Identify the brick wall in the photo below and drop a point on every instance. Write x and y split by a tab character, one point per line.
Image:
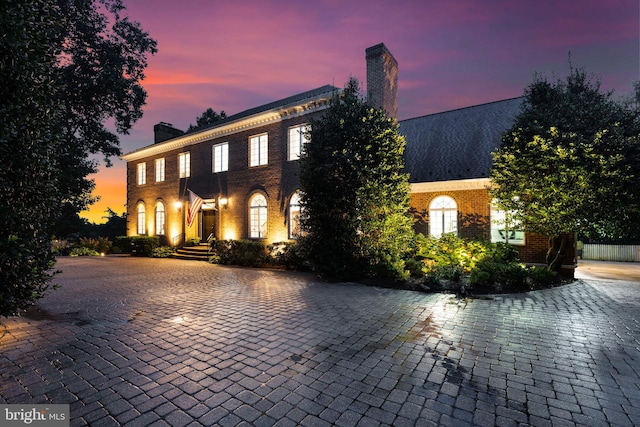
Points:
277	180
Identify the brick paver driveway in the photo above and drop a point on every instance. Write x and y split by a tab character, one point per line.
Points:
130	341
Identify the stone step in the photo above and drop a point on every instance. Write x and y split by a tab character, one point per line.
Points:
196	253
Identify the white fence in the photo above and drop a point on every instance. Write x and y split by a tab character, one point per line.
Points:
611	252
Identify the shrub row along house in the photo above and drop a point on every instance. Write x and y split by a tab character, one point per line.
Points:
238	178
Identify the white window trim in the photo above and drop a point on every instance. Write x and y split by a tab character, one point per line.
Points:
141	214
258	217
295	210
141	173
161	220
258	150
500	233
184	164
296	141
160	169
222	158
444	216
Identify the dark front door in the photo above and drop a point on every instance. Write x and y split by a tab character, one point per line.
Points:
208	224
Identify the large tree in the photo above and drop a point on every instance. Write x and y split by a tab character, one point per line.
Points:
101	66
355	195
68	67
569	163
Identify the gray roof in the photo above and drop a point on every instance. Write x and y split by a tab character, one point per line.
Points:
292	100
456	144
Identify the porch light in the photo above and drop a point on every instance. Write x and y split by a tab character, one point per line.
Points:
177	204
223	201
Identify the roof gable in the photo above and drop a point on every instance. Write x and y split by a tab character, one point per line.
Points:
456	144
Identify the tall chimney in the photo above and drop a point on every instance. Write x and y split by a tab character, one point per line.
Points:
382	79
164	131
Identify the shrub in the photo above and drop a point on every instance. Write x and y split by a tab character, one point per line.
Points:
193	241
162	252
287	254
60	247
100	245
248	253
138	245
541	277
83	251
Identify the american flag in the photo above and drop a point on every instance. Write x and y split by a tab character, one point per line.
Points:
195	203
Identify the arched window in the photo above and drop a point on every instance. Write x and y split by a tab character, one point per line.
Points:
294	216
257	216
443	216
142	218
160	219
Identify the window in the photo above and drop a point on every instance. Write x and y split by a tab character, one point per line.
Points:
257	217
297	140
443	216
160	219
258	149
160	170
142	173
221	157
294	216
504	229
142	229
184	165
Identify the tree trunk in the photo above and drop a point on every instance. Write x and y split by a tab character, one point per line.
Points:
556	251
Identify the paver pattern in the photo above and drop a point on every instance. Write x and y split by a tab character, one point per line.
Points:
138	342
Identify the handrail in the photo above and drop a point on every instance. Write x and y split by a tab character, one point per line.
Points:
177	238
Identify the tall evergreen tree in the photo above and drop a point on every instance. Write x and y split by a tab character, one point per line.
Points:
355	194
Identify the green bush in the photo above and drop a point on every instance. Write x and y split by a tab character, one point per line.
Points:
138	245
541	277
475	265
101	244
193	241
162	252
248	253
287	254
83	251
61	247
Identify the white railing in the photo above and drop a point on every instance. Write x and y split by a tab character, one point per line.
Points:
629	253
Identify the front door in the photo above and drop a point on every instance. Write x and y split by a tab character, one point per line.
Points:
208	224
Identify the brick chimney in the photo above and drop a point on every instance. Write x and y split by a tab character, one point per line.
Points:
165	131
382	79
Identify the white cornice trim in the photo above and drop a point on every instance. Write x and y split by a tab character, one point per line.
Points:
310	105
454	185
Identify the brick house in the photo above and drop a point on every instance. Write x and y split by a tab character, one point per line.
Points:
245	169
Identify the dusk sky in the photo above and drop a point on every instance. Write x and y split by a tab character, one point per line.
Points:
235	55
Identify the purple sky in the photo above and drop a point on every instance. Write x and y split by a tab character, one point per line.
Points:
235	55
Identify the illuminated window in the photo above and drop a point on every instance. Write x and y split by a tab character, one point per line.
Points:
443	216
160	170
504	228
258	217
142	173
142	229
258	150
294	216
184	165
221	157
160	219
297	140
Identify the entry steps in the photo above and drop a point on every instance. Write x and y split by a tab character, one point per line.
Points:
194	253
